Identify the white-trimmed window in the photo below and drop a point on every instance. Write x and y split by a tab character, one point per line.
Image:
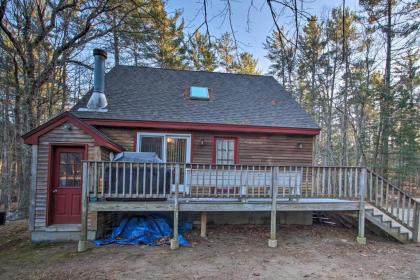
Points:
168	147
225	150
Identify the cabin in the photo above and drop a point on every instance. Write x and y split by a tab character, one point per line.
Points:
214	147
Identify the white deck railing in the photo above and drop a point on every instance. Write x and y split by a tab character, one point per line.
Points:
240	181
108	180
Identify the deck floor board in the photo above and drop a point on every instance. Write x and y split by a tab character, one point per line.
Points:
198	205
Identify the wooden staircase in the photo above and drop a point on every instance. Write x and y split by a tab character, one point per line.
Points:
388	224
391	209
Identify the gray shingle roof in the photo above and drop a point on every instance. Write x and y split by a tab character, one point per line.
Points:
154	94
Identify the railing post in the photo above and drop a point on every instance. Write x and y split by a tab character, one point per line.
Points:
272	242
416	216
82	246
174	240
361	239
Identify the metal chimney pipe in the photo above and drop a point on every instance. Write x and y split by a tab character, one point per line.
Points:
98	98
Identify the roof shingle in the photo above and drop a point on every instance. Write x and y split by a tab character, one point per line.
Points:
155	94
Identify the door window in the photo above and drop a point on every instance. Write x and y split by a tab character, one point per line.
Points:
70	169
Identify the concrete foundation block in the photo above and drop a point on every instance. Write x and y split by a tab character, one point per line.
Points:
174	244
272	243
295	218
82	246
59	236
361	240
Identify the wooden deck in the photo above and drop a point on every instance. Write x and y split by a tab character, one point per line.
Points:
141	187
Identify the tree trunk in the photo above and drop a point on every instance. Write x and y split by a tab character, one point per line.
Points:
6	189
313	77
116	42
344	125
330	111
64	91
386	128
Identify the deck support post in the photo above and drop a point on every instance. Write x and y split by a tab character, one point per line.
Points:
203	228
174	240
83	243
272	242
416	233
361	239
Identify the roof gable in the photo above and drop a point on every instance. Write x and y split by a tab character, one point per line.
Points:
100	139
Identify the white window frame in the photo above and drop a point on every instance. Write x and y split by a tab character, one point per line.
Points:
217	150
165	136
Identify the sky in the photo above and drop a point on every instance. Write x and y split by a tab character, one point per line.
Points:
251	36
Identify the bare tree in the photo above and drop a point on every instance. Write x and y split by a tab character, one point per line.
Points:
41	36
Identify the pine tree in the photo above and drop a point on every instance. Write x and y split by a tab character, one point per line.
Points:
406	122
309	63
363	98
134	33
342	30
392	18
226	52
164	46
202	53
246	64
281	57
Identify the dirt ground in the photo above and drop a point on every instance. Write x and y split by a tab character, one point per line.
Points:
230	252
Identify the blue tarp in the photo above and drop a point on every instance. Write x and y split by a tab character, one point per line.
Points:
145	230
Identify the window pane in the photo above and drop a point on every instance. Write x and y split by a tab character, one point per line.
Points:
77	157
63	158
231	154
152	144
62	176
70	169
77	173
231	144
199	93
225	151
176	149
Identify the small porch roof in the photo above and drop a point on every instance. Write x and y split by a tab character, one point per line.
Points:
32	137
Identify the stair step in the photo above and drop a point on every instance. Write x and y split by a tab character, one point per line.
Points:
404	230
405	236
387	224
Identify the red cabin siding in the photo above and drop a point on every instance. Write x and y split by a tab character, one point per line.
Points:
253	148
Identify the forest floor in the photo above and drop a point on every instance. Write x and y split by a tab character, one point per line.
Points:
230	252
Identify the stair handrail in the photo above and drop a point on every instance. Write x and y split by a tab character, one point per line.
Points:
404	220
390	183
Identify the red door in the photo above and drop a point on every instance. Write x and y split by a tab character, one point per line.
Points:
67	186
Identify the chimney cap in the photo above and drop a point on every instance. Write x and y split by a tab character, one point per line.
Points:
100	52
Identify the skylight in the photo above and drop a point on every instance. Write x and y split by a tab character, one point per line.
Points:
199	93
